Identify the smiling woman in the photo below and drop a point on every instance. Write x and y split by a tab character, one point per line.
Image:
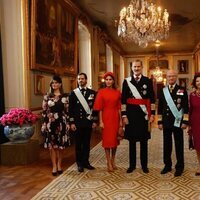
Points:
55	127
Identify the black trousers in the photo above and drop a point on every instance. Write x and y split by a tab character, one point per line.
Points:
82	145
179	145
143	153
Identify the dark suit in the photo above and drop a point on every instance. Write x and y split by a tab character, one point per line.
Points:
78	116
166	118
137	129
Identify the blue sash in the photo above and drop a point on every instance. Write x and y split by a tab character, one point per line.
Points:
177	114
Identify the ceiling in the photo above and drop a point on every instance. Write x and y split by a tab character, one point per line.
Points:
184	16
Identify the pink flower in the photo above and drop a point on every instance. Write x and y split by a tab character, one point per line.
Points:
18	116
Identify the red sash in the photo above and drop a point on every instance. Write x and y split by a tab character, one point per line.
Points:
145	102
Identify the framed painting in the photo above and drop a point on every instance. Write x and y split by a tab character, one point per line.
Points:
53	37
183	66
183	82
163	64
39	84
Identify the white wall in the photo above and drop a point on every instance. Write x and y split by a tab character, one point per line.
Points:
85	52
13	66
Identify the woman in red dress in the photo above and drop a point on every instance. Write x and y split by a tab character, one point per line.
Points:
108	103
195	116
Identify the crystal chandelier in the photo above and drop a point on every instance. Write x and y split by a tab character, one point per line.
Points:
157	73
143	22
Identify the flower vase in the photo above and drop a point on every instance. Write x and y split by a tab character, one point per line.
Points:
19	134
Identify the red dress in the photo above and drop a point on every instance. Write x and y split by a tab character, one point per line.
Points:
195	118
108	101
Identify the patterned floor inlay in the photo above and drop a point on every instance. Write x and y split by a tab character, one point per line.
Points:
99	184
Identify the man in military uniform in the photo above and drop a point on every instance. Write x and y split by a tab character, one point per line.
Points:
82	121
138	110
172	119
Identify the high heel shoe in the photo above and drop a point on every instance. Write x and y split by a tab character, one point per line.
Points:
54	173
60	171
110	168
113	165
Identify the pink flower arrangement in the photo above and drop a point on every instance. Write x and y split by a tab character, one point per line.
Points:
18	116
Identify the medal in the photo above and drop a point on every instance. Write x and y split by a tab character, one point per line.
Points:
91	97
144	92
145	86
179	100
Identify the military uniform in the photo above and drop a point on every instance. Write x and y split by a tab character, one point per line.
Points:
138	127
83	122
167	119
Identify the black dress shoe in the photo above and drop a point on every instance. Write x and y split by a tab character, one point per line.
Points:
178	173
90	167
54	173
60	171
197	173
166	170
130	169
145	170
80	169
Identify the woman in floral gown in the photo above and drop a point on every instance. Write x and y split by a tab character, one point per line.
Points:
195	116
108	103
55	126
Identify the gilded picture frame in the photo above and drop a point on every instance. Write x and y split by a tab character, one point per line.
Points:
39	84
183	66
183	82
53	37
163	64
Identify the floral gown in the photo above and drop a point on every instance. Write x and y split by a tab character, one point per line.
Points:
55	118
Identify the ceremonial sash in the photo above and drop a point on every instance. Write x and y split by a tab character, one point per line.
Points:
83	102
145	102
137	95
177	114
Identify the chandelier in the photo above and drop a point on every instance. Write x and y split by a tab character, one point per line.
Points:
157	73
143	22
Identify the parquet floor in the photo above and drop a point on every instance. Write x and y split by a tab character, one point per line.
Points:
24	182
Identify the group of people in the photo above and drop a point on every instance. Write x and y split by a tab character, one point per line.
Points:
128	113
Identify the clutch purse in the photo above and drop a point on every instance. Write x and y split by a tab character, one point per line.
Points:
120	134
